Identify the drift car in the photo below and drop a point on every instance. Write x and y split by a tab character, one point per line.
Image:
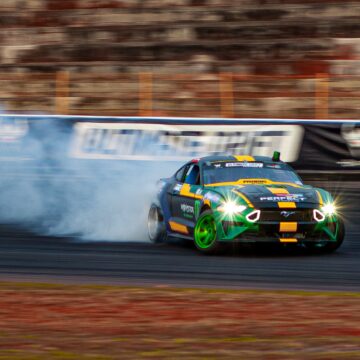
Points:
224	199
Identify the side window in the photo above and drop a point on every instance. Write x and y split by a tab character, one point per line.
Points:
179	176
193	175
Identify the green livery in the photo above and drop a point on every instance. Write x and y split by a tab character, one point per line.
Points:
222	199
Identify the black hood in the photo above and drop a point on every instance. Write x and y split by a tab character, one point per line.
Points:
277	196
274	195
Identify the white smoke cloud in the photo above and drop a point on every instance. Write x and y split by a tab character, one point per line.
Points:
90	199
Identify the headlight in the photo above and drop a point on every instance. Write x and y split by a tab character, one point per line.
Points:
318	215
230	208
329	209
253	216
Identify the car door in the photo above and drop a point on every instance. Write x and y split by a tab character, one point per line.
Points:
184	195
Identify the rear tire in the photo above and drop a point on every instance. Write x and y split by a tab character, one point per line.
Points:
156	225
205	234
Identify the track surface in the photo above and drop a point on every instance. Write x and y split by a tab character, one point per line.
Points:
26	256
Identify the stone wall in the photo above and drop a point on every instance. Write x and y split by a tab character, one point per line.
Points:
260	37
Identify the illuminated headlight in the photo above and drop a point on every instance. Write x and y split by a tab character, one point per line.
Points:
231	208
318	215
253	216
329	209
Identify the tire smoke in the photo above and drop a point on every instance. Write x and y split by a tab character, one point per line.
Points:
46	190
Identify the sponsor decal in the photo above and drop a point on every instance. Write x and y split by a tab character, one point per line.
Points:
290	197
198	192
135	141
245	164
251	181
187	209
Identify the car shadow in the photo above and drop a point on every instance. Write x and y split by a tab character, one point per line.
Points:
249	250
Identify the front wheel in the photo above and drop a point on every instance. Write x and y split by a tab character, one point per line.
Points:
156	225
205	234
332	246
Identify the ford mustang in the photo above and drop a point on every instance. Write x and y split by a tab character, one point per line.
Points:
223	199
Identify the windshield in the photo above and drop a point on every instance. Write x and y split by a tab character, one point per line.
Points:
234	171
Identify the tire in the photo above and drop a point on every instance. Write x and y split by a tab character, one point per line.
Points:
205	235
332	246
156	226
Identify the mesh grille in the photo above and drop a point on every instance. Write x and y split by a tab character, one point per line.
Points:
286	215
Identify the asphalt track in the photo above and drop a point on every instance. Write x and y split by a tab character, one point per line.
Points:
26	256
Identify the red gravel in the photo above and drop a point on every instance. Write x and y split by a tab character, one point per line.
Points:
56	322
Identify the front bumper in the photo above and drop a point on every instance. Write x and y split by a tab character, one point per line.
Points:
271	227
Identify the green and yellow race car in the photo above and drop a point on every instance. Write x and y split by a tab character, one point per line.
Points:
222	199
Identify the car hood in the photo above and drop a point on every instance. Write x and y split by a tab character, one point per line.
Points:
272	196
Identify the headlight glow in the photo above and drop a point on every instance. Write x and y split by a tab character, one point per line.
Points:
253	216
230	208
329	209
318	215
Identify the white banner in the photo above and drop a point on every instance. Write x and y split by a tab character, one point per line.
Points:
139	141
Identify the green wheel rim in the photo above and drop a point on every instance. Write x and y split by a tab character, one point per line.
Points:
205	232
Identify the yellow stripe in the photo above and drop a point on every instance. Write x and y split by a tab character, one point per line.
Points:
207	202
241	182
320	198
286	205
253	181
288	240
244	198
244	158
178	227
185	191
286	183
278	190
288	227
229	183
